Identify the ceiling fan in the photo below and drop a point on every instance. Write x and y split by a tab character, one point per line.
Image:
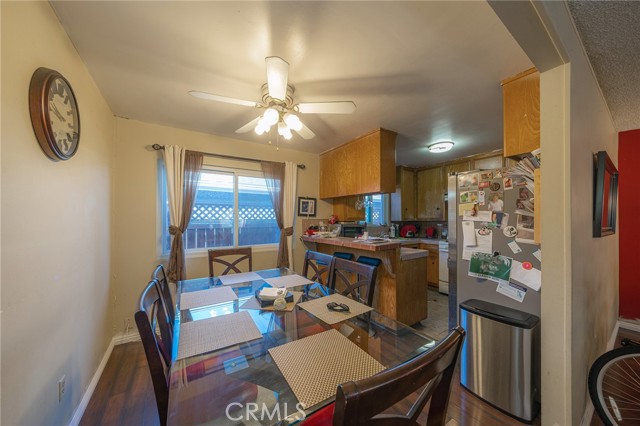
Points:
277	100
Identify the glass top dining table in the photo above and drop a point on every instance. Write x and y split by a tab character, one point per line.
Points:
241	384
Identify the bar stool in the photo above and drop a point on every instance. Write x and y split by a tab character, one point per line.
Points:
369	260
343	255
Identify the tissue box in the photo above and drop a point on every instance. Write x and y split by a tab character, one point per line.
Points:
269	301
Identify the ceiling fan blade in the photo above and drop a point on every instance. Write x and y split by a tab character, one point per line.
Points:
249	126
218	98
277	77
305	132
338	107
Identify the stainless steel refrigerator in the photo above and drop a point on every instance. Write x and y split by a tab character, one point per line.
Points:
500	361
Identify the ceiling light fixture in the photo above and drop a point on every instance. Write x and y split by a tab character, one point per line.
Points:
285	122
443	146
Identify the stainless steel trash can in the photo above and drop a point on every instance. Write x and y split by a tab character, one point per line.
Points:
500	360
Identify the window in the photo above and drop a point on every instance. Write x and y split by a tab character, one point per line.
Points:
374	209
232	208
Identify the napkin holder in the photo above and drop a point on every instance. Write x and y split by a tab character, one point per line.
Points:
269	301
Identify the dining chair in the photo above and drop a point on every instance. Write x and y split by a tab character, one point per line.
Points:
153	324
366	401
165	292
320	264
229	259
353	279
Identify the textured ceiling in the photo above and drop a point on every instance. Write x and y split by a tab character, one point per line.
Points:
429	70
610	32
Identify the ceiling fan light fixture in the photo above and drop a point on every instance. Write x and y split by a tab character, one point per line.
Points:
438	147
293	122
270	117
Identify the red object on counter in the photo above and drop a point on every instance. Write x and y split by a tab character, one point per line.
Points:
407	228
431	232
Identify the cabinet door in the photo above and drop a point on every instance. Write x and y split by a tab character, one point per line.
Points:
433	267
345	209
403	201
521	109
430	194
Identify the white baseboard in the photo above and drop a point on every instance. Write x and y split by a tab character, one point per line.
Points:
629	325
121	338
589	409
77	415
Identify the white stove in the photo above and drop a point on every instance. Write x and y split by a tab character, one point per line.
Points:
443	267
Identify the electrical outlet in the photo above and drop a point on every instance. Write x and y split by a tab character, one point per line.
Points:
61	384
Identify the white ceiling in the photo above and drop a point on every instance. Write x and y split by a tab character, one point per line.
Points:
428	70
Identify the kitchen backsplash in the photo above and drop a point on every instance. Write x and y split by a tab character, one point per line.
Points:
440	227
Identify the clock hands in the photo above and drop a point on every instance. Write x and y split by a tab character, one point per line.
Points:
55	110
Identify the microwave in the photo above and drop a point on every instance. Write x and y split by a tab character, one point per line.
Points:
352	230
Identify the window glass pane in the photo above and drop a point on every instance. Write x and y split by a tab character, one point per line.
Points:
212	216
374	212
256	217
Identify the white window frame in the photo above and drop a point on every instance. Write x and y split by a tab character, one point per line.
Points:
206	168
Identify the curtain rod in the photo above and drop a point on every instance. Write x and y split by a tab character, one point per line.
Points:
158	147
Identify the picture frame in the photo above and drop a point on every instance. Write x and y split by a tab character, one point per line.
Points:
605	198
307	206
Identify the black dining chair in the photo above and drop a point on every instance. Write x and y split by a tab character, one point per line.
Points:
153	325
366	402
165	292
319	264
230	259
353	279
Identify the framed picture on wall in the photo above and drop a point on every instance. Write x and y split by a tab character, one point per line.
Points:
306	207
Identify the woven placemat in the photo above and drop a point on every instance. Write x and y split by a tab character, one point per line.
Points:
212	296
314	366
198	337
287	281
253	303
318	307
242	277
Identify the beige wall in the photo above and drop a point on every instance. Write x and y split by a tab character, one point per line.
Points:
137	229
56	230
580	278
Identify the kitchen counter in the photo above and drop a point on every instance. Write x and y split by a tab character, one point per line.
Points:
401	289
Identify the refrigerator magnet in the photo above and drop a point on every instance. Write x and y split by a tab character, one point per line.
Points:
510	231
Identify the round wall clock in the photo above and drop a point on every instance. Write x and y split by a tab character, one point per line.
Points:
54	114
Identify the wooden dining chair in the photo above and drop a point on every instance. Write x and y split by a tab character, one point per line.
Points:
362	402
229	259
353	279
320	264
153	325
165	292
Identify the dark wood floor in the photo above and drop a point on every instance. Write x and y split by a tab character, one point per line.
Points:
124	396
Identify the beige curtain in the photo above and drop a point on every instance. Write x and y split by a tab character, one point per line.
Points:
289	203
183	173
274	174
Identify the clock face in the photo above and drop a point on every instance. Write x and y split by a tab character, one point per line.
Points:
63	117
54	114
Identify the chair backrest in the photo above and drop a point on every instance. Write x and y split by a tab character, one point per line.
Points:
353	279
237	256
320	264
150	317
165	292
360	403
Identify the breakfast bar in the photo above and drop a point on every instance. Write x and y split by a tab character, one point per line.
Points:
401	288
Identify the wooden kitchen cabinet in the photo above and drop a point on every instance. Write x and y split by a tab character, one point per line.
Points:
403	201
521	111
430	194
345	209
366	165
433	276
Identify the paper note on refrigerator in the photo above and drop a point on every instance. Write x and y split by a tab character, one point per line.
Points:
538	254
514	291
530	277
484	244
468	233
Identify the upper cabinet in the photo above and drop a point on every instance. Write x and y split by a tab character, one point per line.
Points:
430	194
366	165
521	109
345	209
403	201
